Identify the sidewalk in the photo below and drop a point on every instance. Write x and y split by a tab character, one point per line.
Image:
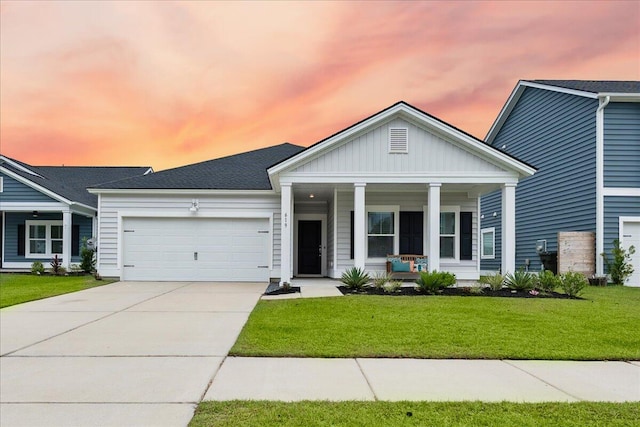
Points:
294	379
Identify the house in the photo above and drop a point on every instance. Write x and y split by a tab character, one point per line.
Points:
47	211
584	138
399	181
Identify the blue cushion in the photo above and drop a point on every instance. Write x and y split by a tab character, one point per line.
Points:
400	267
394	258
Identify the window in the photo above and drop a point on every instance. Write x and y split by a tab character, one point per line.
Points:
43	239
487	250
381	231
449	232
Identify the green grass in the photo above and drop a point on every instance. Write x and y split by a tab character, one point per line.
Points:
599	327
265	414
19	288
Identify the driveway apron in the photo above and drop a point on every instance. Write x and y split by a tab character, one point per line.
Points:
129	353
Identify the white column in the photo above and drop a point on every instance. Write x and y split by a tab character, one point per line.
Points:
433	226
508	228
66	239
285	233
359	225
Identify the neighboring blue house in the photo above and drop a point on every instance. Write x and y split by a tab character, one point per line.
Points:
47	211
584	138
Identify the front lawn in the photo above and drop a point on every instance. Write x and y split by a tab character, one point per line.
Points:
19	288
264	414
602	326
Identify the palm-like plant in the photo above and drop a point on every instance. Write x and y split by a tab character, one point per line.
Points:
355	278
520	280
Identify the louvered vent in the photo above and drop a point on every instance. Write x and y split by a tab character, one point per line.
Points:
398	140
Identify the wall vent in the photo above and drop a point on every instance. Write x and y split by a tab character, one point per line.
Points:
398	140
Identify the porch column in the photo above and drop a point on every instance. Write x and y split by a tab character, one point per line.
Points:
359	225
508	228
285	233
433	226
66	239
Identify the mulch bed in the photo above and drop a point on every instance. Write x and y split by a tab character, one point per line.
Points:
461	292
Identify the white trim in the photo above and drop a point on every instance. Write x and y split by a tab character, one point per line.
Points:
621	192
508	223
286	235
30	207
479	224
1	184
2	236
47	238
399	178
483	231
335	230
603	102
19	166
621	221
189	192
456	244
323	230
433	226
395	209
35	186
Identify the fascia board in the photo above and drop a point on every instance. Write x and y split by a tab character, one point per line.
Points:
179	191
35	186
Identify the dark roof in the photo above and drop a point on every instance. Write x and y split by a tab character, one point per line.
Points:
594	86
71	182
244	171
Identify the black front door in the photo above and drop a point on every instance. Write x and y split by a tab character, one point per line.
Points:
411	233
309	247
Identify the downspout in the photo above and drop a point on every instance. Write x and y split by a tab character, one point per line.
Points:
603	102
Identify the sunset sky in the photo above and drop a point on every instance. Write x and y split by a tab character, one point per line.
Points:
166	83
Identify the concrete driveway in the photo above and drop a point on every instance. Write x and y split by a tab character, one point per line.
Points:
129	353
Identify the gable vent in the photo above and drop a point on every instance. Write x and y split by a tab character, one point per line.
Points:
398	140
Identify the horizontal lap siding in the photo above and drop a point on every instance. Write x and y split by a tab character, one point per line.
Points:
177	205
12	220
554	132
614	208
86	231
622	145
491	203
14	191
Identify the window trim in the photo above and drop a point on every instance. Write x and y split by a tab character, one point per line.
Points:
1	184
456	236
48	240
484	231
395	209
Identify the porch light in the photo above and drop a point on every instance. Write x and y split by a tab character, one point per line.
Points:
311	196
195	205
34	214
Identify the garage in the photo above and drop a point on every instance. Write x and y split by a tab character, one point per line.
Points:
196	249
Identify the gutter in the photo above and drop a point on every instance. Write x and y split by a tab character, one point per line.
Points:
603	102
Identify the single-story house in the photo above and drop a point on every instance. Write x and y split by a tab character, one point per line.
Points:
47	210
584	138
398	182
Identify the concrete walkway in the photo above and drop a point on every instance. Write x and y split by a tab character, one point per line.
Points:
123	354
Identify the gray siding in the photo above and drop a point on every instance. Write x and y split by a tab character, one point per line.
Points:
622	145
614	208
86	231
556	133
14	191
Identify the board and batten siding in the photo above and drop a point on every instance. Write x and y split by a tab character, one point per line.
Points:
556	133
622	145
370	153
614	208
178	205
408	202
15	191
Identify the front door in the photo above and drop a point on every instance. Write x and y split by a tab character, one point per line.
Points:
309	247
411	233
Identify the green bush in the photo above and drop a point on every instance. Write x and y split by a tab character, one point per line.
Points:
88	263
547	281
37	267
573	283
434	281
392	286
619	267
520	280
495	281
380	278
355	278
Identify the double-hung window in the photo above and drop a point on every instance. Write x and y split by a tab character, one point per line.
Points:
449	233
382	231
488	248
44	239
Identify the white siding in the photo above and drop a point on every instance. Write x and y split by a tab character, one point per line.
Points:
178	206
370	153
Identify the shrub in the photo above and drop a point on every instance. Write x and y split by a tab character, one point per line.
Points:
37	267
434	281
495	281
88	263
547	281
520	280
392	286
56	266
572	283
355	278
380	278
619	267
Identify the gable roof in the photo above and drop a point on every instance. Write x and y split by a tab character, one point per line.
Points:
616	90
244	171
406	110
70	183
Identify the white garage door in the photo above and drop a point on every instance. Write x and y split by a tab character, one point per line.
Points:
631	237
194	249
